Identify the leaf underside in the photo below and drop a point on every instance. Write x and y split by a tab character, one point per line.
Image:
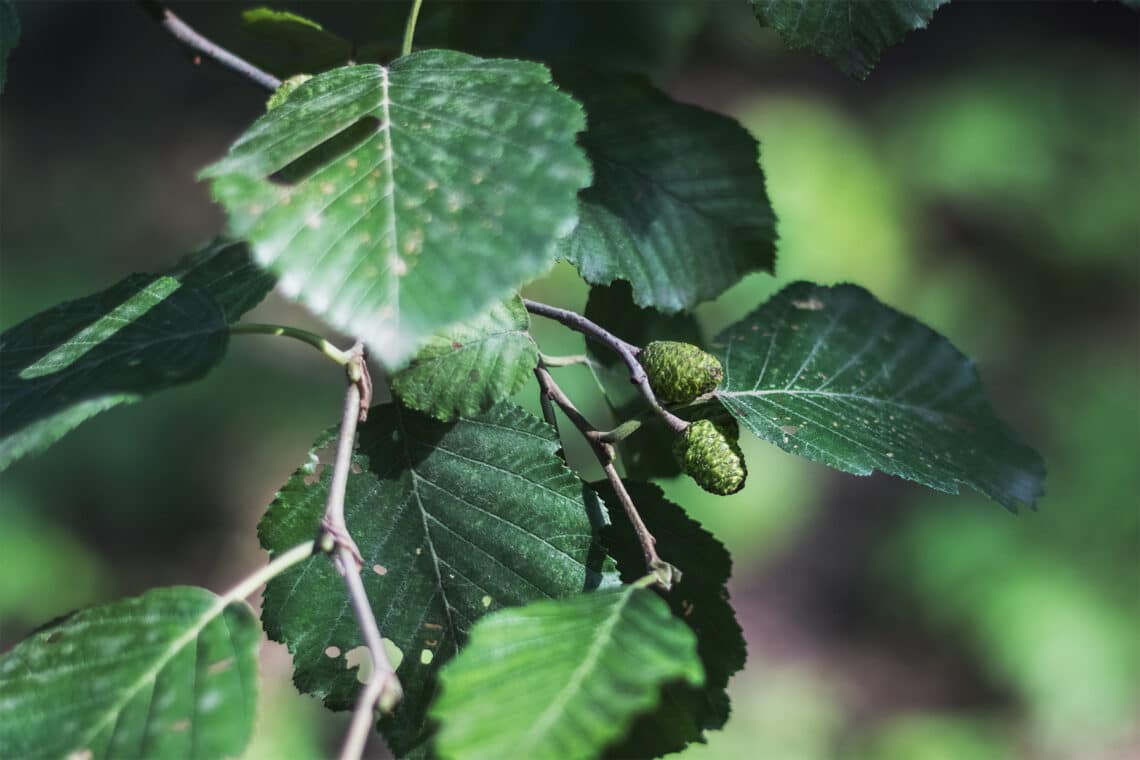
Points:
833	375
852	34
146	333
558	680
700	599
171	673
454	521
678	206
469	367
395	201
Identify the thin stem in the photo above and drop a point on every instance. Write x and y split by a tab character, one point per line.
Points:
383	687
316	341
564	361
627	351
410	27
665	574
263	575
185	34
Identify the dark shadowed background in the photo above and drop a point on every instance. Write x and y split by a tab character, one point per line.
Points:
985	178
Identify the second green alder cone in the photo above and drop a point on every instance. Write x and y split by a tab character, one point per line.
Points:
679	372
710	454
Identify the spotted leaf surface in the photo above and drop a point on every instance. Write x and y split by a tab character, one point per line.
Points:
833	375
454	521
146	333
471	366
395	201
169	674
851	33
558	680
678	206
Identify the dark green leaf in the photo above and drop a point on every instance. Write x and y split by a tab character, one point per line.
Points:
395	201
144	334
834	375
9	36
558	680
304	45
700	599
171	673
471	366
852	33
678	206
454	521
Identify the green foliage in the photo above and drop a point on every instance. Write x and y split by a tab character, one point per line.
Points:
141	335
678	206
171	673
852	34
9	36
561	679
454	521
406	202
710	454
700	599
471	366
679	372
833	375
438	148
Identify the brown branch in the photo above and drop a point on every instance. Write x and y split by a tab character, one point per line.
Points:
383	688
664	573
627	351
201	46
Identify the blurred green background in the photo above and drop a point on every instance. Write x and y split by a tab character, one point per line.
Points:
986	179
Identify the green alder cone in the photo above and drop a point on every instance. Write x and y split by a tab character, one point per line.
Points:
711	455
680	372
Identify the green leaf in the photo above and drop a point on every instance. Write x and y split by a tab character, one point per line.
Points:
700	599
852	33
171	673
454	521
834	375
146	333
395	201
9	36
678	206
469	367
306	46
559	680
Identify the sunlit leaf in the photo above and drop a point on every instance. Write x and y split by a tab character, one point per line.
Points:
700	599
471	366
833	375
558	680
454	521
146	333
852	33
395	201
678	206
169	674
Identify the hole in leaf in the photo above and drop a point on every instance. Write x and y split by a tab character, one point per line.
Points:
333	652
361	659
326	153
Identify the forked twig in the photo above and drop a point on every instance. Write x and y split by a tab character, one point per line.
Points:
383	687
666	575
627	351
